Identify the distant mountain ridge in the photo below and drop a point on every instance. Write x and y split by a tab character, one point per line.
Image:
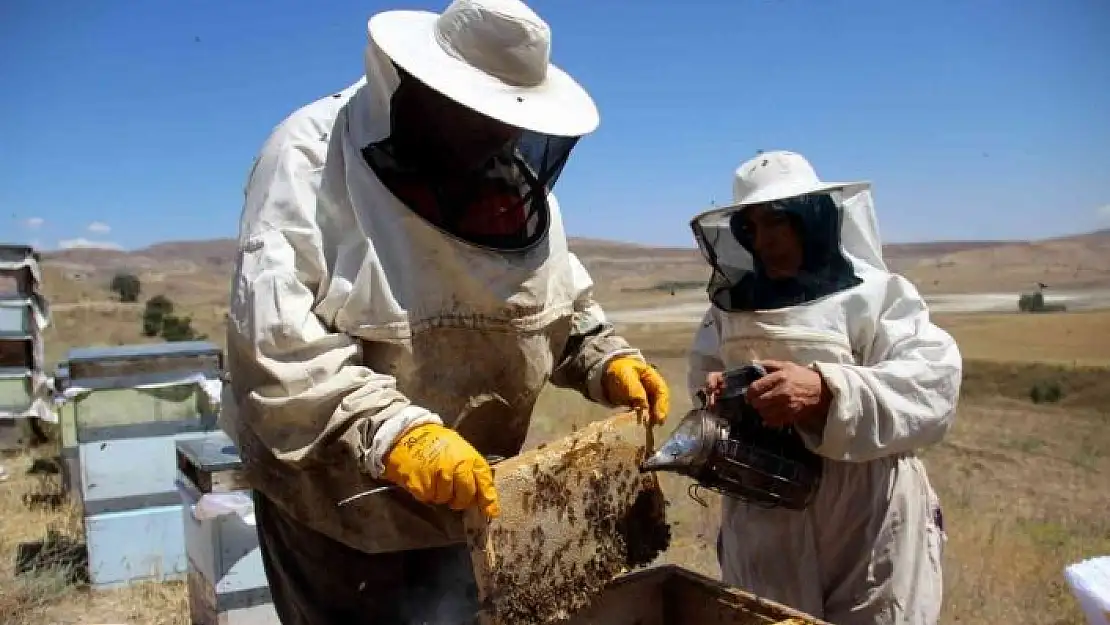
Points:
1081	260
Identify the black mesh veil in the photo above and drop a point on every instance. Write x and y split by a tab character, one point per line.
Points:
514	182
740	281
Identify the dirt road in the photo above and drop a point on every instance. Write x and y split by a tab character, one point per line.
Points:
691	311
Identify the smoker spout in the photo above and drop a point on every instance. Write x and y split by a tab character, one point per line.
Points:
686	450
674	456
659	461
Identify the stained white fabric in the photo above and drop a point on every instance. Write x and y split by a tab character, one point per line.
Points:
868	549
1089	581
493	56
353	319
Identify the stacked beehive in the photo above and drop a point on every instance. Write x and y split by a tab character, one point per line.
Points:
227	581
24	315
126	408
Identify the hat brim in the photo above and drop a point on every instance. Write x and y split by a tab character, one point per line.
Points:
774	193
557	106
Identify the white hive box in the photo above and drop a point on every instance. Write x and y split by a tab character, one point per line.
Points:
227	581
16	394
133	391
17	389
124	435
17	318
17	358
19	270
24	314
71	468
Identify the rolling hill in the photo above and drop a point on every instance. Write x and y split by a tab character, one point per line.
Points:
1081	261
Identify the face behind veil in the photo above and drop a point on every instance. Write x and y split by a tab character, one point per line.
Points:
774	255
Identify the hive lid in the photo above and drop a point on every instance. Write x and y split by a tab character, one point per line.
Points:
211	463
144	350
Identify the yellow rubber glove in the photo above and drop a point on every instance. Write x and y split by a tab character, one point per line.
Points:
629	381
436	465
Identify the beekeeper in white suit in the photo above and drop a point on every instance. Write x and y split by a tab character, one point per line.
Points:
856	366
403	293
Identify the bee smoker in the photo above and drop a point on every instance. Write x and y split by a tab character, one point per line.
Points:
730	450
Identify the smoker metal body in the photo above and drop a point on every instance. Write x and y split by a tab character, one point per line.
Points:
728	449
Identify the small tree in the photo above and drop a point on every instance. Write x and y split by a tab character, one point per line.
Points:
155	313
127	286
176	328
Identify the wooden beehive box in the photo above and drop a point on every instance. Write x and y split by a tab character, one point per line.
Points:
17	353
17	361
130	391
226	579
17	318
671	595
135	403
16	389
145	359
132	509
15	281
16	275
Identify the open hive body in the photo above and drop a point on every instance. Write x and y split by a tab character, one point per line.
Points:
671	595
575	514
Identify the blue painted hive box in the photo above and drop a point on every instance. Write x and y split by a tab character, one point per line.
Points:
226	579
17	317
16	390
128	406
17	361
141	390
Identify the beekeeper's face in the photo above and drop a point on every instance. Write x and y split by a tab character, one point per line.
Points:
776	241
452	139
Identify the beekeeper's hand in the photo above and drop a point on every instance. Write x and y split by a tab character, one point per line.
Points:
789	394
629	381
438	466
714	384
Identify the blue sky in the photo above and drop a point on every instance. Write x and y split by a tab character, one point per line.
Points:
127	123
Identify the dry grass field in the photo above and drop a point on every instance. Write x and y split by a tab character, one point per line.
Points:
1023	487
1023	484
1079	338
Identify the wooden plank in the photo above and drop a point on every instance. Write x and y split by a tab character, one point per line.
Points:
575	514
700	599
144	366
17	353
671	594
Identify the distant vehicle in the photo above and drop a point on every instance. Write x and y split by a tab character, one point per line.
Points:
1034	302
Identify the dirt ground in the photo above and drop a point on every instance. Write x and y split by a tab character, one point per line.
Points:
1022	483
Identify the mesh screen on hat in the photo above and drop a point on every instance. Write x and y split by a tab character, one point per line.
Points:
740	281
502	205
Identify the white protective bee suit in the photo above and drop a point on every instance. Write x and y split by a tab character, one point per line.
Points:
868	548
353	318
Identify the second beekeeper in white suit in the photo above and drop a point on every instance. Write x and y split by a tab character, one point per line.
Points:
860	372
